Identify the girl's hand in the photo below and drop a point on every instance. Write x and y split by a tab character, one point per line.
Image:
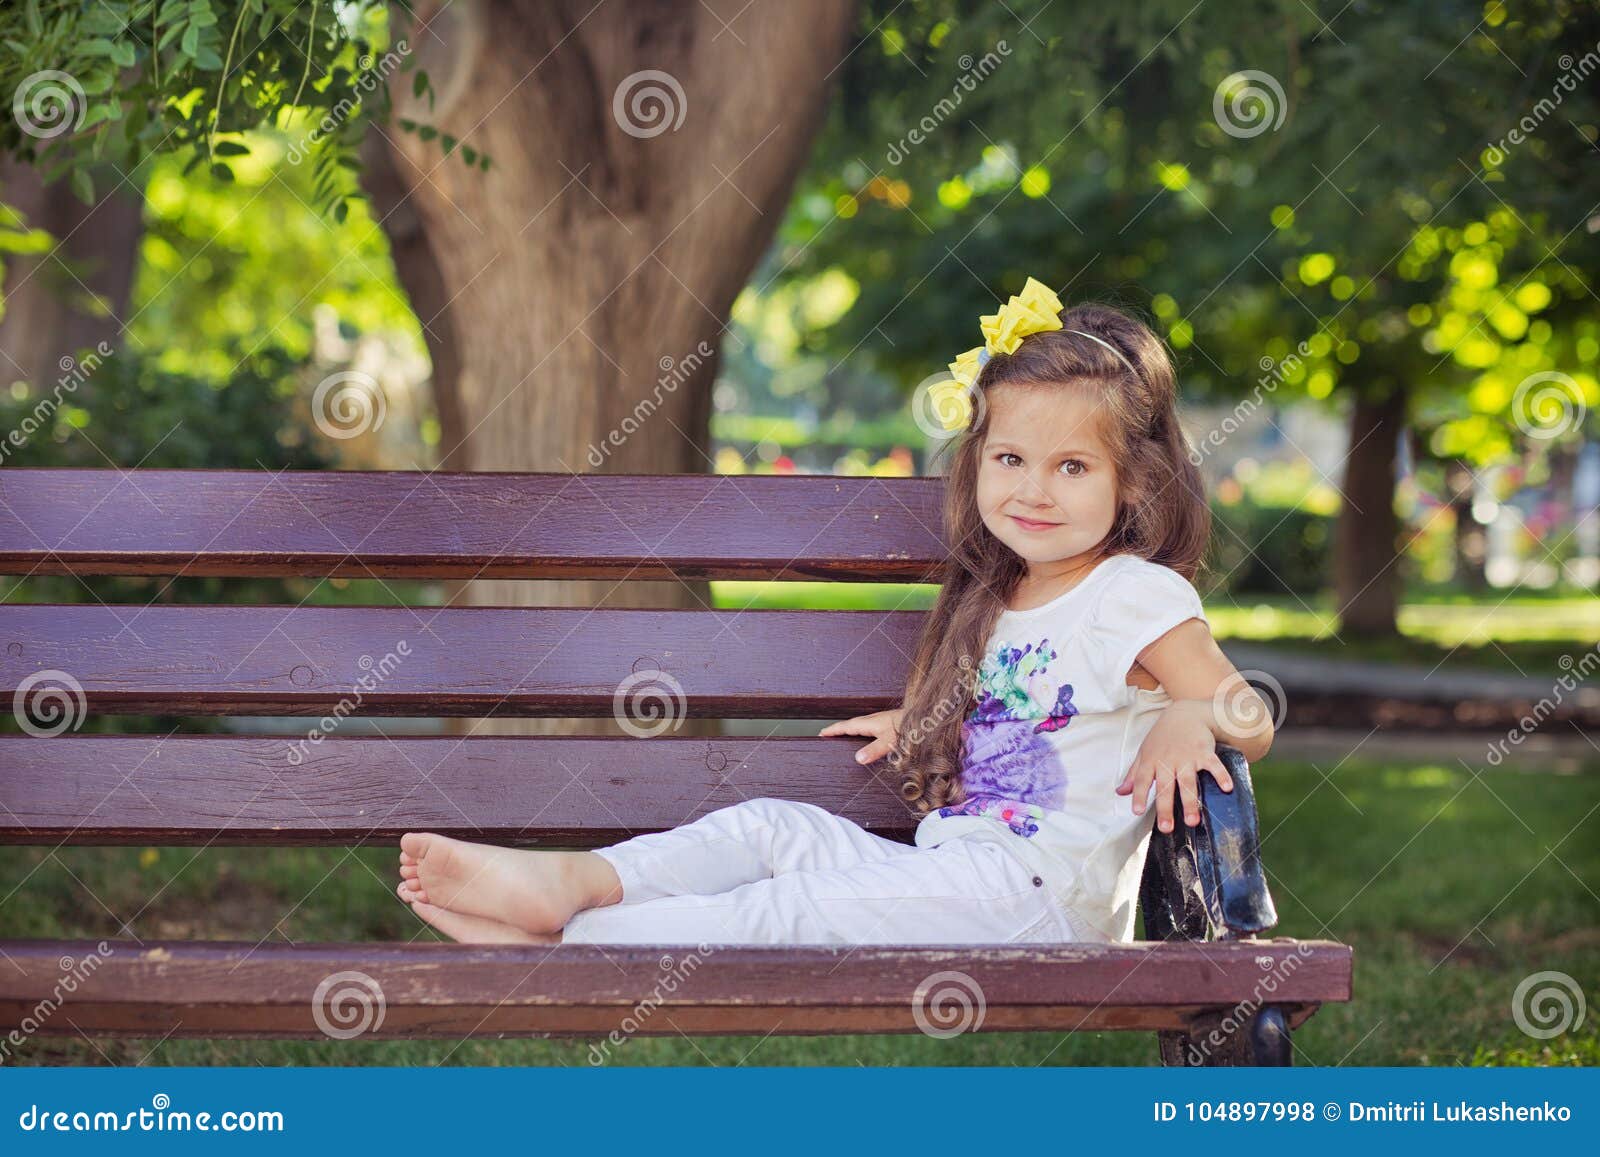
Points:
1180	743
883	726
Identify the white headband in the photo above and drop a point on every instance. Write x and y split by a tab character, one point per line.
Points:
1122	357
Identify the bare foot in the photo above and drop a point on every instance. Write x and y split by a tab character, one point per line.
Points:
477	929
534	891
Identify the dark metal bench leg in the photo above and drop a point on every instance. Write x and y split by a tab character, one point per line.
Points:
1264	1039
1270	1037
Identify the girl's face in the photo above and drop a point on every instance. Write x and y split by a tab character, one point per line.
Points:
1047	487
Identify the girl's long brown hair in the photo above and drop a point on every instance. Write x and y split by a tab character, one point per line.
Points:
1162	516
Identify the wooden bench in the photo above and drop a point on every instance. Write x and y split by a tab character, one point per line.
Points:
1204	980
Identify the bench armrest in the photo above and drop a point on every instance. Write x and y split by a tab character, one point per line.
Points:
1207	882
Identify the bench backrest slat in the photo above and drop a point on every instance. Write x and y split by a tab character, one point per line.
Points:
534	661
575	790
419	524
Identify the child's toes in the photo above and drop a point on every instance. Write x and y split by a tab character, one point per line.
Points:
409	871
404	892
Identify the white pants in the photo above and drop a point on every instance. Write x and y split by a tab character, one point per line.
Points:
774	871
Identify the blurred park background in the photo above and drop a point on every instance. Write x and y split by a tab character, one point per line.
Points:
478	235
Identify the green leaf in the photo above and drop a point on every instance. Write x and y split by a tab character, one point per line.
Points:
207	58
100	111
419	83
122	52
98	46
427	133
191	41
97	81
83	185
469	154
449	142
221	172
25	241
341	211
231	149
101	21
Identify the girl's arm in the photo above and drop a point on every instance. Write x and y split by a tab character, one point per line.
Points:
1190	665
1192	669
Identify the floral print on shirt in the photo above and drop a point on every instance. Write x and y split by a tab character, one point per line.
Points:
1009	767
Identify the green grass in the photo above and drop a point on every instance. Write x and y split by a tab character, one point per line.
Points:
1450	888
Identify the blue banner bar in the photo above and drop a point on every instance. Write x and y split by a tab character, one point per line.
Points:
792	1110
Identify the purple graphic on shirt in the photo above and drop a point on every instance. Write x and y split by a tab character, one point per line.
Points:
1009	768
1061	714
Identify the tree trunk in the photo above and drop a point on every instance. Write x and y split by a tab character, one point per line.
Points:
418	271
1471	537
76	295
1367	558
641	159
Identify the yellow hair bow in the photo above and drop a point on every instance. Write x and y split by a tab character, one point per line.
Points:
966	366
1035	310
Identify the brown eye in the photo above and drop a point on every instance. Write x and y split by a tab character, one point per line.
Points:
1074	467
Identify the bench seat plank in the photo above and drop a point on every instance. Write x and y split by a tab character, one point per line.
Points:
442	524
188	988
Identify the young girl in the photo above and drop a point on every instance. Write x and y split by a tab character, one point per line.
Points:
1065	680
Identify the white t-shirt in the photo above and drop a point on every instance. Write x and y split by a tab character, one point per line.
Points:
1055	729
